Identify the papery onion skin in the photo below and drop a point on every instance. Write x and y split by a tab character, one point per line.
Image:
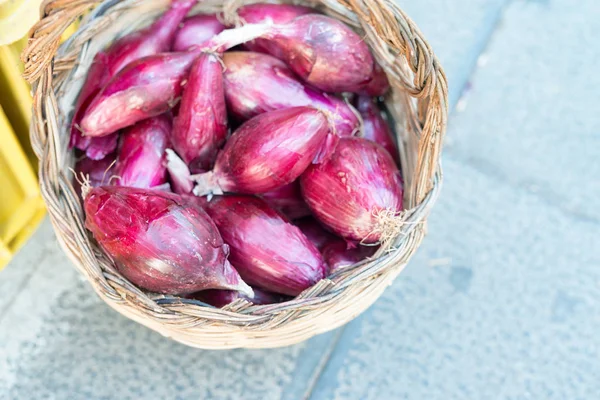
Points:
221	298
256	83
200	128
160	241
288	200
152	85
154	39
267	152
337	255
314	231
142	160
375	128
196	31
179	173
324	52
267	250
348	191
270	13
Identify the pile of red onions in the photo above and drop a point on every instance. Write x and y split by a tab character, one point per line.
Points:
223	175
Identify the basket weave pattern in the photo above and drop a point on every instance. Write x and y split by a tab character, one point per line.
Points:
417	105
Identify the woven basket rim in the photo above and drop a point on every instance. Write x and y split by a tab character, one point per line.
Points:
419	102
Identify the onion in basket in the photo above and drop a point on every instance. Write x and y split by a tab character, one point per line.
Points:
337	255
200	127
220	298
379	83
142	161
94	172
323	51
196	31
356	192
267	250
270	13
266	152
375	128
288	199
160	241
154	39
152	85
256	83
314	232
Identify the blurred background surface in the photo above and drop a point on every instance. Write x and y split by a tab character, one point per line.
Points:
501	302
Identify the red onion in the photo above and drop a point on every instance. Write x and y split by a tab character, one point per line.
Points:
98	148
274	13
267	251
314	232
256	83
95	148
94	172
266	152
152	85
142	161
337	255
154	39
376	128
323	51
196	31
160	241
220	298
200	128
288	199
269	13
356	192
378	85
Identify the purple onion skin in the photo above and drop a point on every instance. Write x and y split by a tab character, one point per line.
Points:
142	160
221	298
379	83
270	150
288	200
337	255
273	13
376	129
256	83
97	172
324	52
154	39
98	148
345	193
196	31
152	85
200	128
95	148
146	88
160	241
179	174
314	231
267	250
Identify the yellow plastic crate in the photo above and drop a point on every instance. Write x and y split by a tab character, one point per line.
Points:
15	95
21	207
16	17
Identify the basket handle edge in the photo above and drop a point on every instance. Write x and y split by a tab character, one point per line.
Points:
44	37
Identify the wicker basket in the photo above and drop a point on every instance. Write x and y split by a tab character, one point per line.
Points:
417	104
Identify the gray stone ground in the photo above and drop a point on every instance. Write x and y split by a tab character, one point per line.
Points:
501	302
